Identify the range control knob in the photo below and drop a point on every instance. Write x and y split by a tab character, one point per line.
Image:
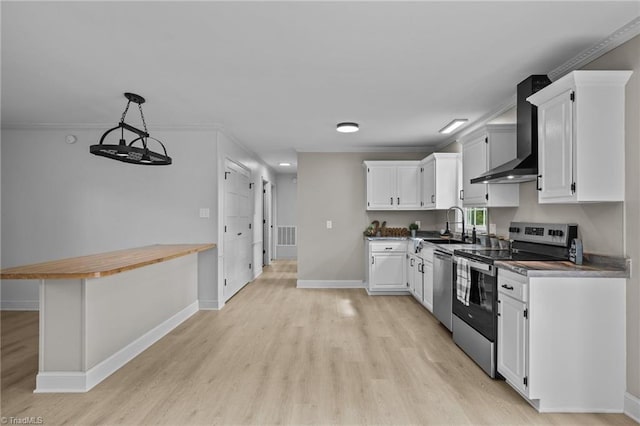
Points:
559	233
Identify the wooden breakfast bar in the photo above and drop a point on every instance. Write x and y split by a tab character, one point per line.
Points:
98	312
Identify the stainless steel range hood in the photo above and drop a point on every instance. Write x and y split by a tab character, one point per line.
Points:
525	166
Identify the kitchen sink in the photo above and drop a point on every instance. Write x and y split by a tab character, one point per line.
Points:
445	241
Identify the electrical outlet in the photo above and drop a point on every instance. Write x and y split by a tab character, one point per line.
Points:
329	224
205	212
492	228
417	222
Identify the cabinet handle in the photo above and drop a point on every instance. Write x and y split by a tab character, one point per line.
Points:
373	260
391	200
388	248
538	186
398	200
411	262
432	198
462	194
508	287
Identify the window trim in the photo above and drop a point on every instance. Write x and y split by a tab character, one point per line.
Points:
468	212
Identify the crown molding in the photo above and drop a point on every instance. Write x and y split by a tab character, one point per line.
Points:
618	37
104	126
389	148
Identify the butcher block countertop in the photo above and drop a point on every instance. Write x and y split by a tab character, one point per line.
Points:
102	265
593	266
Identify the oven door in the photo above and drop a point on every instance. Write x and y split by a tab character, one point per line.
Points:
480	313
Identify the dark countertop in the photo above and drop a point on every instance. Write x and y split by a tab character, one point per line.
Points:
594	266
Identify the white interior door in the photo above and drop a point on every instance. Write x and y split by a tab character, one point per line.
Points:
237	235
266	246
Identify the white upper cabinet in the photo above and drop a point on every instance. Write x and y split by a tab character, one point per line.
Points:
408	188
440	181
581	137
393	185
482	150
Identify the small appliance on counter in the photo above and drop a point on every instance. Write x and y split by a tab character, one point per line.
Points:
575	251
475	292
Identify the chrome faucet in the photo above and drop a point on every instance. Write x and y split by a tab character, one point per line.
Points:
447	231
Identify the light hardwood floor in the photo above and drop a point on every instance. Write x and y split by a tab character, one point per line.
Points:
280	355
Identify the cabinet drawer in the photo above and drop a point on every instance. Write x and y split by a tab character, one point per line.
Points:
388	246
513	285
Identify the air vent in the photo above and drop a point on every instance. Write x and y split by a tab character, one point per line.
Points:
287	235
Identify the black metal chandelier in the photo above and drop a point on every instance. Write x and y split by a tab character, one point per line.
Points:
129	152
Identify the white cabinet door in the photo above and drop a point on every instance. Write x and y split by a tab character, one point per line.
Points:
512	341
474	163
555	148
427	292
429	184
408	188
381	187
411	266
388	271
418	279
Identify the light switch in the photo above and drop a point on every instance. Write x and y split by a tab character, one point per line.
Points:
204	212
329	224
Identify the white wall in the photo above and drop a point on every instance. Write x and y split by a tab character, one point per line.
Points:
332	186
287	203
60	201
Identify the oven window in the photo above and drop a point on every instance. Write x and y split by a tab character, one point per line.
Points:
481	291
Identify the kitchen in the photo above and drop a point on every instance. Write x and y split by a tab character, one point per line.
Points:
331	187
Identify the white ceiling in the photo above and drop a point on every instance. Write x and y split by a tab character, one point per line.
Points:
278	76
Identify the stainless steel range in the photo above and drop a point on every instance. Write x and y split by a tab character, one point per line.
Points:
475	287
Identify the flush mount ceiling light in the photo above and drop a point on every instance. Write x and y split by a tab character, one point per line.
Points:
285	164
347	127
453	125
128	152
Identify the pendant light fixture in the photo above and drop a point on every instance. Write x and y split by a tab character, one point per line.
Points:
137	150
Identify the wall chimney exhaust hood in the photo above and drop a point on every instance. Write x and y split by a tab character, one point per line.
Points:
525	166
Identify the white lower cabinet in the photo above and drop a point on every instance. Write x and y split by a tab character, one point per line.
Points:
512	333
420	276
386	270
411	274
561	340
418	279
427	279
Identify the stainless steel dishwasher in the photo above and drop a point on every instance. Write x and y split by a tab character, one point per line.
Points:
443	287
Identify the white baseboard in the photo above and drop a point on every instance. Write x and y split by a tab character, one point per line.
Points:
329	284
20	305
210	305
389	293
74	381
632	406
